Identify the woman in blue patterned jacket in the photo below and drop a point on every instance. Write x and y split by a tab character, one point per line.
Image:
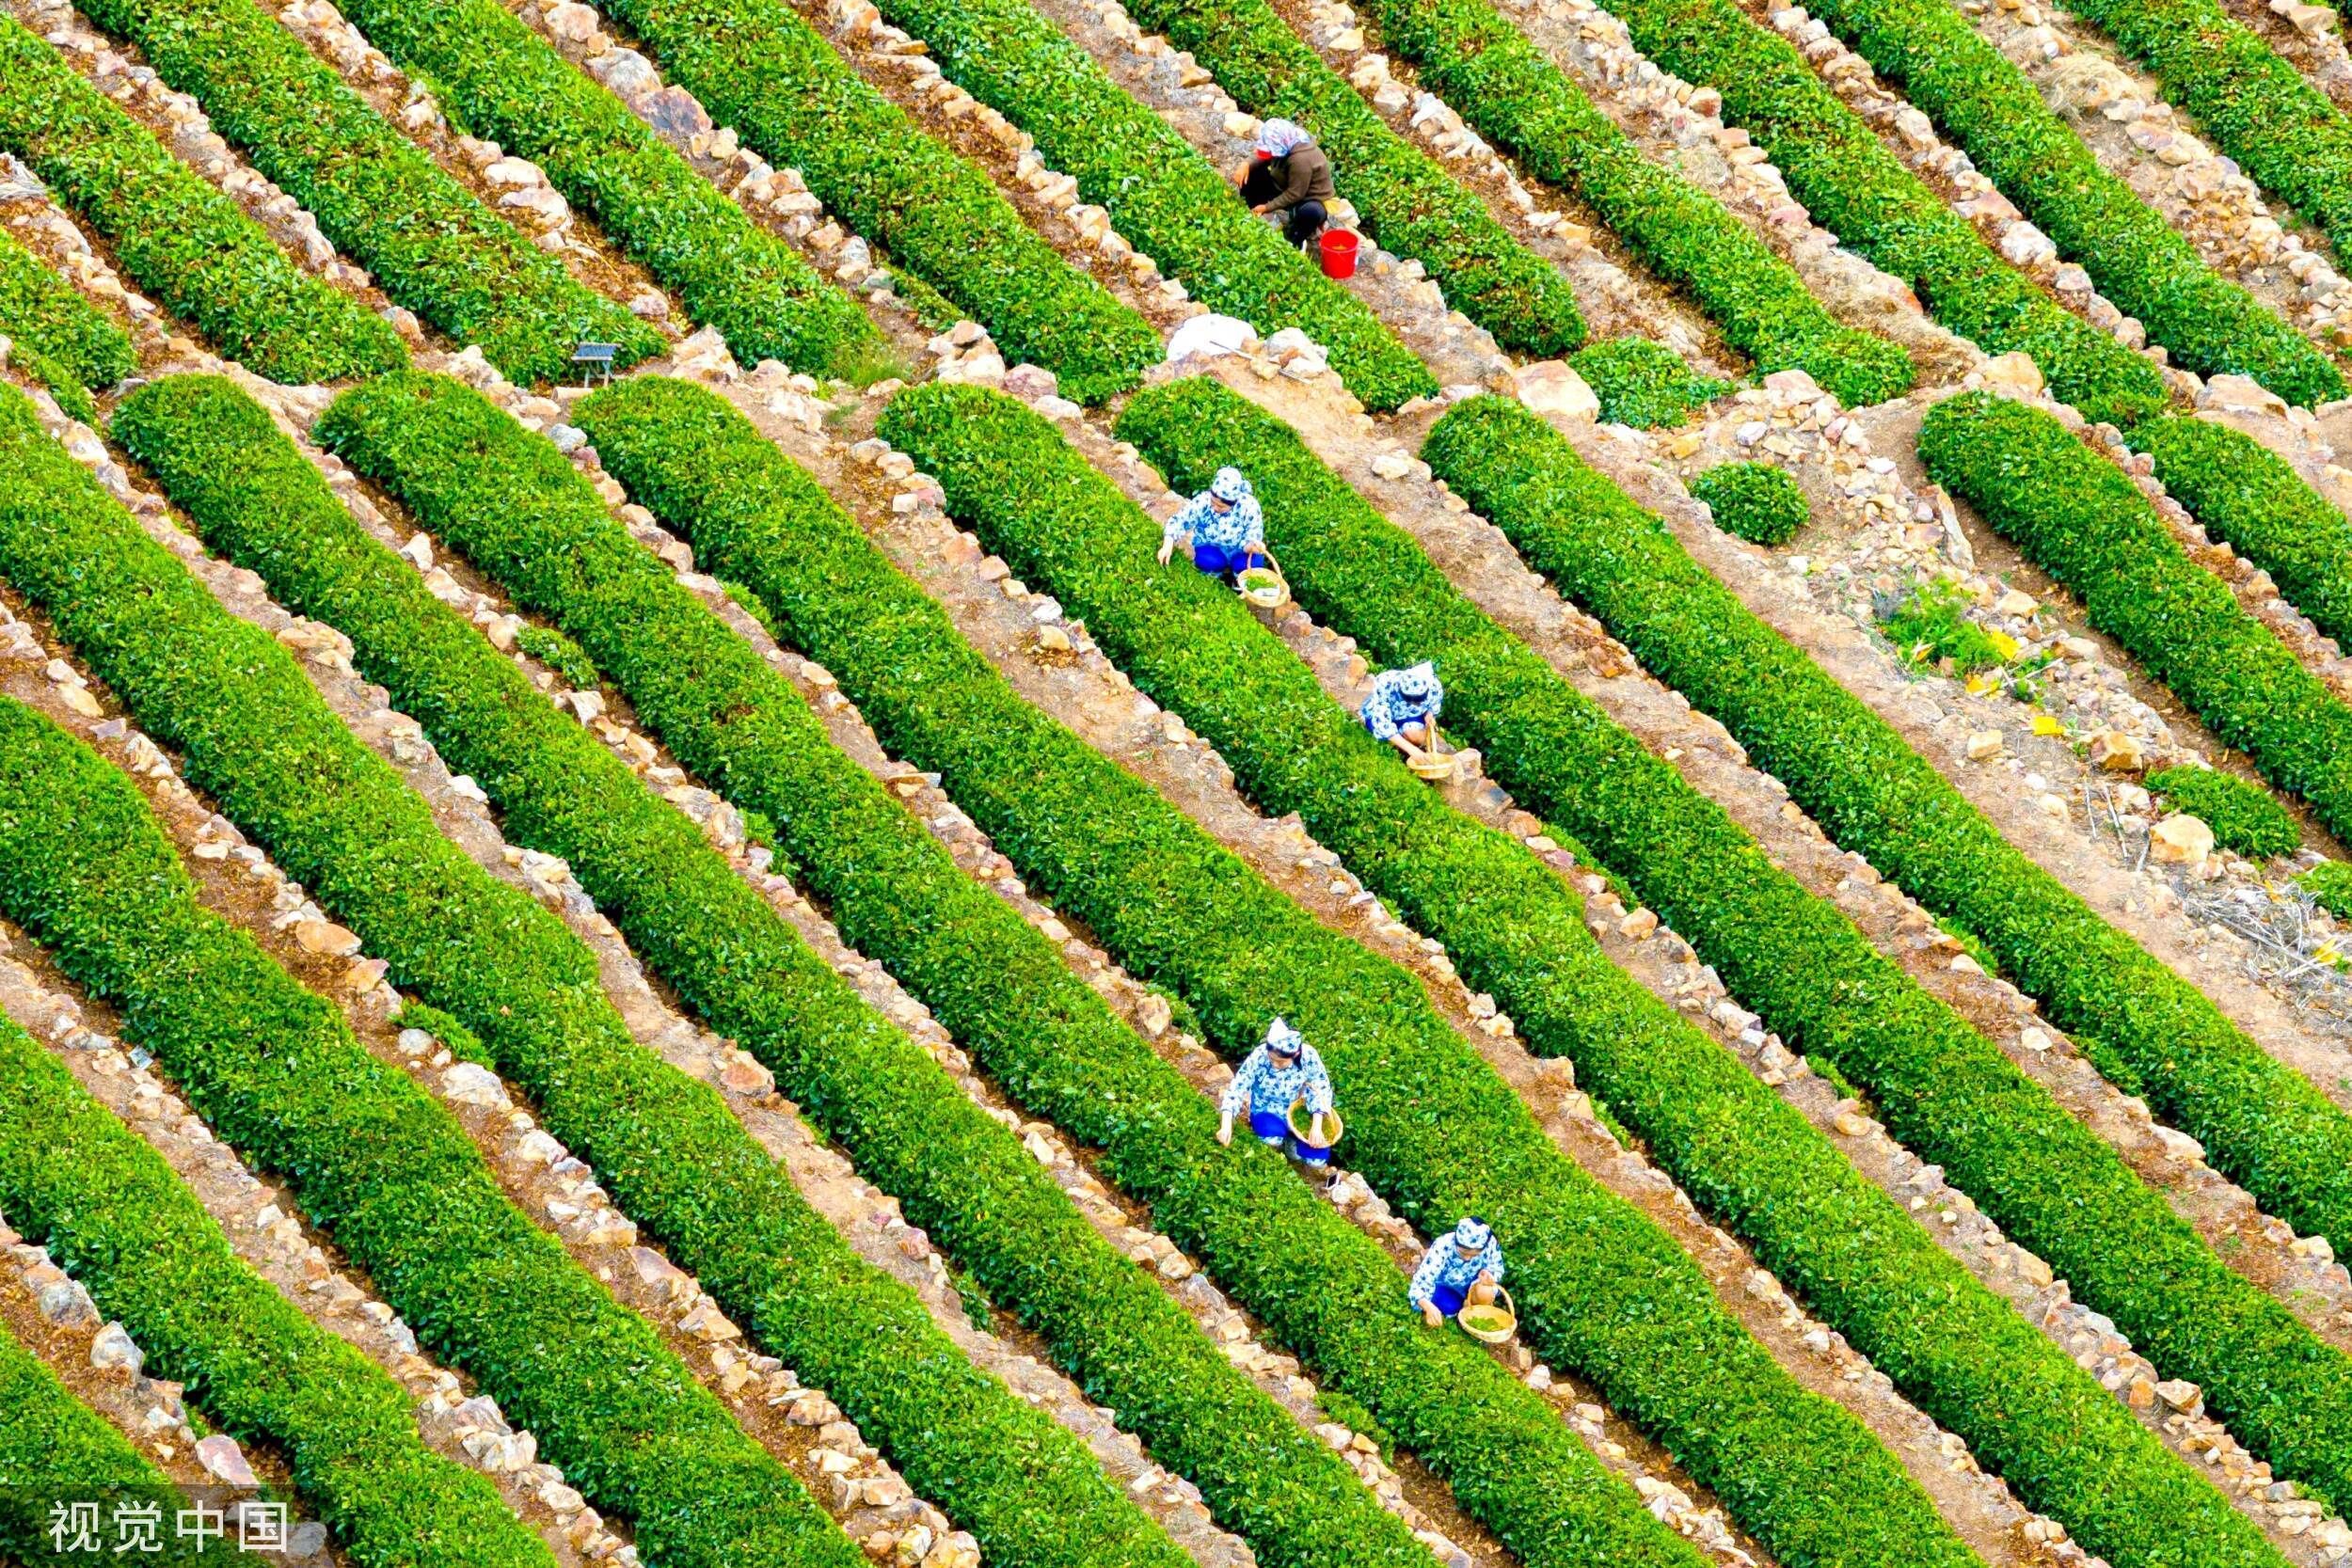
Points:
1459	1269
1402	708
1283	1070
1223	524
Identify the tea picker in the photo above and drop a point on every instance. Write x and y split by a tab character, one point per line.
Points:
1402	709
1222	525
1462	1270
1287	180
1283	1075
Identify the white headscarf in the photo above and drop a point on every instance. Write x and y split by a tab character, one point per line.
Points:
1279	138
1230	486
1418	680
1280	1036
1473	1234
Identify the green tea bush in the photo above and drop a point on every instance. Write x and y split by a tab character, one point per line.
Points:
57	1451
1948	1092
1931	52
1408	200
178	237
427	241
1004	991
2081	519
2260	1122
666	1145
2243	817
1161	195
1508	919
965	1179
2256	106
2248	496
36	369
1513	94
382	1167
461	1043
42	314
500	81
1643	383
562	654
76	1181
384	1171
1854	186
764	70
1755	501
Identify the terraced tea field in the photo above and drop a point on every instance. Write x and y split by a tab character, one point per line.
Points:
628	894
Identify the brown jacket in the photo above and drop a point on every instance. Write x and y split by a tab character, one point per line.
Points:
1306	176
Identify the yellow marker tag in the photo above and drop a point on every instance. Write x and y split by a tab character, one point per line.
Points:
2003	641
2044	724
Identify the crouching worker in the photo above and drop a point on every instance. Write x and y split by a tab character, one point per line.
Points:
1283	1070
1288	181
1222	525
1460	1270
1402	709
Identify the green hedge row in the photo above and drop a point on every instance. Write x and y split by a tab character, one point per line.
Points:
2248	496
84	348
1642	383
1932	53
1407	199
1506	86
1806	1479
674	1154
1857	189
2244	816
113	1213
2330	883
273	1071
428	241
1160	194
1755	501
2289	137
40	311
1328	1290
897	895
384	1170
1928	51
56	1452
2266	1126
500	81
1957	1350
762	69
2081	519
34	367
177	237
962	1176
24	286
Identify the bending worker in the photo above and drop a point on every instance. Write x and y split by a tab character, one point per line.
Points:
1222	524
1283	1070
1460	1270
1402	709
1288	179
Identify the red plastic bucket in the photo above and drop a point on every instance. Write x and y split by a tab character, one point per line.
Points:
1338	247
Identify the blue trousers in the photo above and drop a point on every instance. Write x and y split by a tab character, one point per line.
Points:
1275	1133
1219	562
1447	1300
